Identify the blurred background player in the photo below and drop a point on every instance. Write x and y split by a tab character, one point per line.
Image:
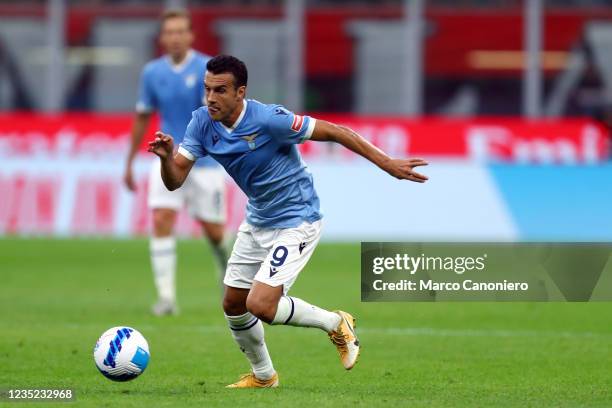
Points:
173	85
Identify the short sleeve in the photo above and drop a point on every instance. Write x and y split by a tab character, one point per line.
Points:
192	147
146	96
288	127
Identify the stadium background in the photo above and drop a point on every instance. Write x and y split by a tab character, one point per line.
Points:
519	151
532	164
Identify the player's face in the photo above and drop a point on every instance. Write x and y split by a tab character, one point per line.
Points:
176	36
223	99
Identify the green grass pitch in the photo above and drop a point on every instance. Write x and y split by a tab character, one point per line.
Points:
58	296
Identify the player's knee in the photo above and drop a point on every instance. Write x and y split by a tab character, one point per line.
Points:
233	307
263	310
163	222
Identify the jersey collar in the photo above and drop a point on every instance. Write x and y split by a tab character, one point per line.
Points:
240	117
181	65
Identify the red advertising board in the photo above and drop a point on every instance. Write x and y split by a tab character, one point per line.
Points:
565	141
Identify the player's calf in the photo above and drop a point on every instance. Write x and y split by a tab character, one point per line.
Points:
294	311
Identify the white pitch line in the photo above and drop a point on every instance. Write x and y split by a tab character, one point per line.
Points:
391	331
437	332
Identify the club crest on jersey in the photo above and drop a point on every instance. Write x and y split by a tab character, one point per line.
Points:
190	80
250	139
298	121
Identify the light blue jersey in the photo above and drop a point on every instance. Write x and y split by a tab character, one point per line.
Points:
174	91
261	155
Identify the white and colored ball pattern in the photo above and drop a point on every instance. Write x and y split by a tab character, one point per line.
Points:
121	353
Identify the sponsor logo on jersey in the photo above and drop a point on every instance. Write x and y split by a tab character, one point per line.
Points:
215	138
273	271
250	139
298	121
302	246
281	111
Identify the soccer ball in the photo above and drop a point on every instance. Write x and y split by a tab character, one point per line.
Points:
121	353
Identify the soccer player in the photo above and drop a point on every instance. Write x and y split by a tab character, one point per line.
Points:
172	84
256	144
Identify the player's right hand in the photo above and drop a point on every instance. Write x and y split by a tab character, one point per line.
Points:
162	146
128	178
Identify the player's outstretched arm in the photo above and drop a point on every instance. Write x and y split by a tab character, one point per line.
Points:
174	167
402	169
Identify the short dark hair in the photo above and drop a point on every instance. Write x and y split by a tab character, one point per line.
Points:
230	64
175	13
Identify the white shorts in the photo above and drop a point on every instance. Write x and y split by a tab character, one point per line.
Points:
203	192
274	256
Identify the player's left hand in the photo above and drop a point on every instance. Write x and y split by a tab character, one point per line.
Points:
403	169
